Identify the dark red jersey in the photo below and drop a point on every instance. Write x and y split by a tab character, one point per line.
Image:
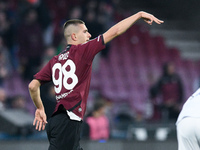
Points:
70	72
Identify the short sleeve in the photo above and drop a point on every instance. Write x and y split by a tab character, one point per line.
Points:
44	75
91	48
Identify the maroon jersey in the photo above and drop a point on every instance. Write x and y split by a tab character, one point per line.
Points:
70	72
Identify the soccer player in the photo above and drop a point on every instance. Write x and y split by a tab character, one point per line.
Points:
188	124
70	72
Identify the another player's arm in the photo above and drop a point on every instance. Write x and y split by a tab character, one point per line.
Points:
40	116
125	24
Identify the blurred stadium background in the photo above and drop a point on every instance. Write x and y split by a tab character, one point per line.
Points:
31	33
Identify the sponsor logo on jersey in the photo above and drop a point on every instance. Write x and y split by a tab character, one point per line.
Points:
63	95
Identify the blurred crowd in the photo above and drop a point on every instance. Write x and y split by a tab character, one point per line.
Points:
31	34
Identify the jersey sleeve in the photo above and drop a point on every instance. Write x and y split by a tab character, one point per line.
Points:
44	75
91	48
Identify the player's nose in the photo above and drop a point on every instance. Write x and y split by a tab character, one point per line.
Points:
89	35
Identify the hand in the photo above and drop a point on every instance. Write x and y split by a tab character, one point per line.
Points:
40	119
149	18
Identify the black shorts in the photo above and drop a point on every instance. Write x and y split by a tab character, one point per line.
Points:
63	133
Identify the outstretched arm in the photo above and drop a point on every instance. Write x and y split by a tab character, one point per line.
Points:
40	116
125	24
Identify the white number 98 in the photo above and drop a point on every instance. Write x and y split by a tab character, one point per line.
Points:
62	81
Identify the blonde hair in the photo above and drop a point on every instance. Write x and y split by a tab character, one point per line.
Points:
70	23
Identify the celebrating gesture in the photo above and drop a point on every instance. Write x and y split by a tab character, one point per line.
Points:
73	63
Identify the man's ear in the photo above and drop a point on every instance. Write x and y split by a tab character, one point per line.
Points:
74	37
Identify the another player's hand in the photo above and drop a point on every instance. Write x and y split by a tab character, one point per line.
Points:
149	18
40	119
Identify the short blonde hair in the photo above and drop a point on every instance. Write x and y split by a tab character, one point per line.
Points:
73	22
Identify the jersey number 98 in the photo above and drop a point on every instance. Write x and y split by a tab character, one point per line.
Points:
64	75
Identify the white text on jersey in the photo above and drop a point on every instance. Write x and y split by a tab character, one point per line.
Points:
63	95
63	56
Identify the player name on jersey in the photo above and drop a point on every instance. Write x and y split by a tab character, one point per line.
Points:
63	56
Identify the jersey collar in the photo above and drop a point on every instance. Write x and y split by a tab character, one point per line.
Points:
67	48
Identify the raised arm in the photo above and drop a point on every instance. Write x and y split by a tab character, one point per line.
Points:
40	116
125	24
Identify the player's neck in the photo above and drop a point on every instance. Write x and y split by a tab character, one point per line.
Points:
73	43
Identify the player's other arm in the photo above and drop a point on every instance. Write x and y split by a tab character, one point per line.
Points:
40	116
125	24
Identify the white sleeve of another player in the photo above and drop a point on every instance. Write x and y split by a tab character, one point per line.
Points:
191	107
